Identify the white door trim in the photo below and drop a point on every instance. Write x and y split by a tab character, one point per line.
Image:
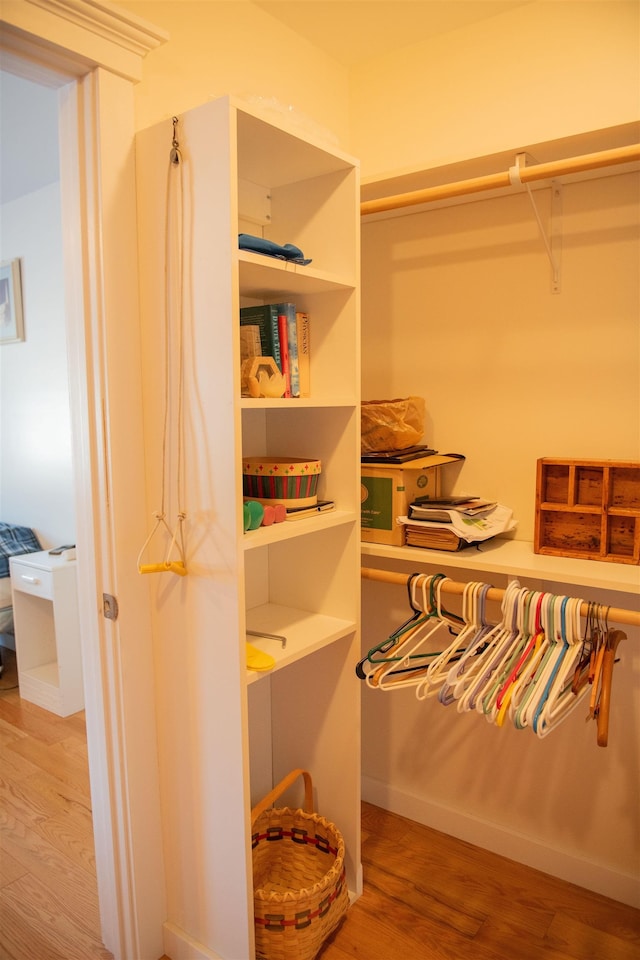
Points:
102	49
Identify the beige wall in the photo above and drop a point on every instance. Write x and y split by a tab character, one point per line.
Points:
540	72
457	308
233	47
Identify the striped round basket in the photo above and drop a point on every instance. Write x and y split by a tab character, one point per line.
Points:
293	483
300	889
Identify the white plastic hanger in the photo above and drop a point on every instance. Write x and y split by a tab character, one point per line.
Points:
481	671
439	668
409	666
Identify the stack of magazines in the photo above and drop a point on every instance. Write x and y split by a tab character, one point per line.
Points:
453	523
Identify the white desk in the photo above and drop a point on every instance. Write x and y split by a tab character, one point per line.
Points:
47	632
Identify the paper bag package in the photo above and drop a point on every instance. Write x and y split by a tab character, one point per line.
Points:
386	490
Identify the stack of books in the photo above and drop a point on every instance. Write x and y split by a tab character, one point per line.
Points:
433	518
279	331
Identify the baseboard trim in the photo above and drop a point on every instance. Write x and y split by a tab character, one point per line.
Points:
489	836
180	946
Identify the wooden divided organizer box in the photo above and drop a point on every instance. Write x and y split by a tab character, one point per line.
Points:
588	509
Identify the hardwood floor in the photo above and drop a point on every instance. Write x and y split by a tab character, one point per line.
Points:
427	896
48	895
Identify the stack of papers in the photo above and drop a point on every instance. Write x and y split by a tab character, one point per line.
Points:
458	528
443	510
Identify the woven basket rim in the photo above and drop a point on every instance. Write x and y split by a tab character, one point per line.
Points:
330	877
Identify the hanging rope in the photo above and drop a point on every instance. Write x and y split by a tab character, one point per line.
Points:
174	196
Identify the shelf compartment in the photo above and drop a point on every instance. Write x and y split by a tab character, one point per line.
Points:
305	632
622	537
570	532
589	486
328	434
624	488
554	482
333	333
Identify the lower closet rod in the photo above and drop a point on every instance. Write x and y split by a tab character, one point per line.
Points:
615	614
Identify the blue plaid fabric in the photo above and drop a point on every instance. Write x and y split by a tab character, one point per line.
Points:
14	541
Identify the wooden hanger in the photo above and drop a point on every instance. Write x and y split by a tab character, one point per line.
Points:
613	639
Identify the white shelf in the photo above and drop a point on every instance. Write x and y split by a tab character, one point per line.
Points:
47	674
305	633
262	276
295	403
288	529
516	558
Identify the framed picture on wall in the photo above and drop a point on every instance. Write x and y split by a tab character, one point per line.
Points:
11	316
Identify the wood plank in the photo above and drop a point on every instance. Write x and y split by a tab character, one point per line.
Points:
581	939
38	924
59	797
377	928
10	869
13	765
77	887
33	720
56	760
499	935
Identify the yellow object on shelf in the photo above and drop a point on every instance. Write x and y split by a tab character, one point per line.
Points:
257	660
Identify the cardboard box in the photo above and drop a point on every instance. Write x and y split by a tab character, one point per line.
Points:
386	491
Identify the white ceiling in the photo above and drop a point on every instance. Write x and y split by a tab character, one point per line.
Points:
355	30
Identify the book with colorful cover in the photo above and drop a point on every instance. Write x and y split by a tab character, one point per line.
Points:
303	331
283	334
264	316
289	311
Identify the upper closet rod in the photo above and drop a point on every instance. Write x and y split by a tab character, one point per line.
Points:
614	614
541	171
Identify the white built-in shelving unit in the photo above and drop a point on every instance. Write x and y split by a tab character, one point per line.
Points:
227	734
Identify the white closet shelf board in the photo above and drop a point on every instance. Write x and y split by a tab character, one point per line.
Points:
295	403
516	558
264	277
276	532
305	632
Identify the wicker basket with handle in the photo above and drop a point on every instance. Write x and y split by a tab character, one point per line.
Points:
300	890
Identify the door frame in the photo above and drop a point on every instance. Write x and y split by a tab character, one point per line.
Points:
94	54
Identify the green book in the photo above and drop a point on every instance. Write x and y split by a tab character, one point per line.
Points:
265	317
